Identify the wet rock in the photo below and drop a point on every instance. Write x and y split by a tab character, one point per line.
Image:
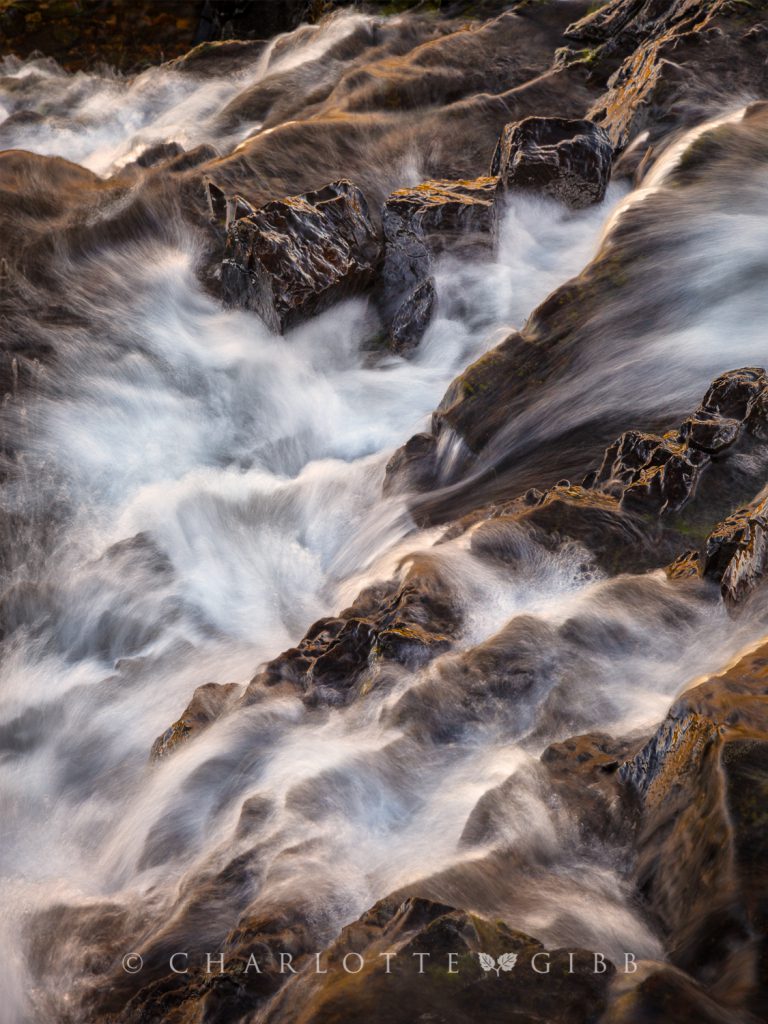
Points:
419	223
736	552
660	474
159	153
193	158
406	621
671	60
584	773
658	992
701	784
568	160
654	474
413	466
208	703
85	35
498	681
416	930
412	318
294	257
615	538
597	520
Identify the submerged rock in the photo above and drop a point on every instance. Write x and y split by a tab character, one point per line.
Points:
419	223
294	257
568	160
208	703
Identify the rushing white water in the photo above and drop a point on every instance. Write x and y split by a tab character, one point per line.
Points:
253	464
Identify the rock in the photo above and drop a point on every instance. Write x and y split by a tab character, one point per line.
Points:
658	992
610	532
412	318
568	160
294	257
418	931
701	785
736	552
419	223
208	703
660	474
159	153
652	474
674	59
584	774
406	621
413	466
499	680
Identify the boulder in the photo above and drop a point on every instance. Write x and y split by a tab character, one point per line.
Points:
296	256
419	223
568	160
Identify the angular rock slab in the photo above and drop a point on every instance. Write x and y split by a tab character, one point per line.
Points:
296	256
568	160
736	552
419	223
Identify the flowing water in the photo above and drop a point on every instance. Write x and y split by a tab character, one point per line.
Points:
250	467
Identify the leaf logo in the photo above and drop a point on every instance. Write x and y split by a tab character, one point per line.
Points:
505	962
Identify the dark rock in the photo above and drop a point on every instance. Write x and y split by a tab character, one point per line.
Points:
420	223
412	318
709	434
734	394
660	474
159	153
208	703
597	520
584	774
658	992
701	784
193	158
675	58
568	160
295	256
413	466
410	928
736	552
405	622
497	681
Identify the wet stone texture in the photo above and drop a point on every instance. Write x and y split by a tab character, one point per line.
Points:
419	224
293	257
568	160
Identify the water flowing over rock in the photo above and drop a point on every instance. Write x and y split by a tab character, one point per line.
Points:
296	256
499	498
568	160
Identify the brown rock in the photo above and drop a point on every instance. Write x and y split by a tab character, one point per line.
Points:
208	703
